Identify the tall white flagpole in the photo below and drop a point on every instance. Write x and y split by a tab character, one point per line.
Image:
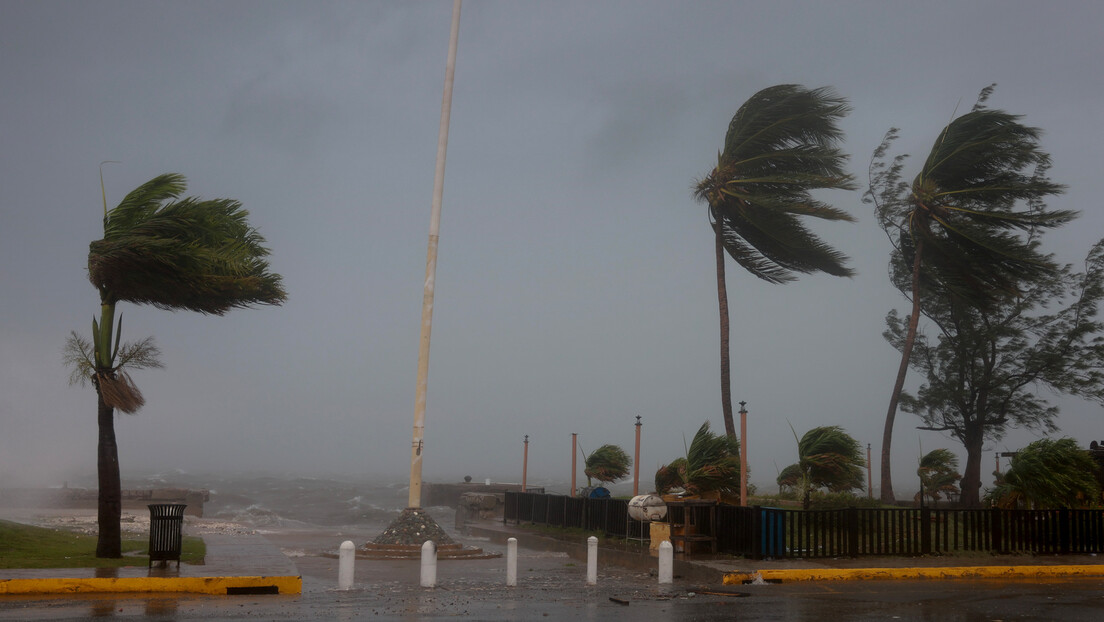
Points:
417	447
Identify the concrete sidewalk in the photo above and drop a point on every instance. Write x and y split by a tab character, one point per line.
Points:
234	564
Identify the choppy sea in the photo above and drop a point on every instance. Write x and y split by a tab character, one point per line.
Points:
281	503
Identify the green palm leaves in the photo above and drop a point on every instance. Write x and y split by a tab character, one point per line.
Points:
974	211
608	463
939	474
712	464
780	145
829	458
191	254
1048	474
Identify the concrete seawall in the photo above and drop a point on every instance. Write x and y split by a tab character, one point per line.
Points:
449	494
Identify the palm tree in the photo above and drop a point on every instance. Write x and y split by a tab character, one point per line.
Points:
780	146
939	474
827	457
789	479
711	465
960	225
173	254
1048	474
607	464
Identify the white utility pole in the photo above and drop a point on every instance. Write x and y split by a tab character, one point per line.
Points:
416	451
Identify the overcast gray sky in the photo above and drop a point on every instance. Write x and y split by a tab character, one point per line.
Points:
575	284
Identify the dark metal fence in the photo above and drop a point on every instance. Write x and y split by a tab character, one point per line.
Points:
609	516
781	533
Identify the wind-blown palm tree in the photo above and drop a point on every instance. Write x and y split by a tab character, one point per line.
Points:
173	254
711	465
939	475
789	479
968	222
827	457
607	464
1048	474
780	146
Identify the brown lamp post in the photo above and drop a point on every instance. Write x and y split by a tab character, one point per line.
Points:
525	464
636	460
574	439
743	454
869	475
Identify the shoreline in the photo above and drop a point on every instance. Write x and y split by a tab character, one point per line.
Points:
295	541
84	521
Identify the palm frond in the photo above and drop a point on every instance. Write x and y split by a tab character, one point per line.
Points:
830	458
712	463
79	357
142	354
780	145
976	207
198	255
119	391
670	476
789	478
1049	473
608	463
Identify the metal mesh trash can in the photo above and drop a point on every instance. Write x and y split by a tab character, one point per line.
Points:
166	532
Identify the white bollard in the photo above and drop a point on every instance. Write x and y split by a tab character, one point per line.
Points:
511	562
429	564
666	562
592	560
346	556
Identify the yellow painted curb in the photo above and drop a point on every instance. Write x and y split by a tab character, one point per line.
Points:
954	572
192	585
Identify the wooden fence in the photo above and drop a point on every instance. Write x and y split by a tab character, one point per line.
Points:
786	533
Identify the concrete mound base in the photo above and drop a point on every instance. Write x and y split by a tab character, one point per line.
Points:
404	537
414	551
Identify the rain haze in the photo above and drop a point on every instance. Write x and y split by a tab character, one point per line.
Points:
576	286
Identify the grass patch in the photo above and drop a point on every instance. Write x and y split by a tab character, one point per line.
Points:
26	546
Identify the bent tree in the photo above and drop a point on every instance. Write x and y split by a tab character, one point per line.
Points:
781	145
938	472
827	457
175	254
1048	474
711	465
607	464
968	223
983	373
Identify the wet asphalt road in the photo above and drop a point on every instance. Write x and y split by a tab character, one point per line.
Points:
960	601
552	586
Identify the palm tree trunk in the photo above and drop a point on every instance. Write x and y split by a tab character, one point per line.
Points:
898	386
722	303
110	504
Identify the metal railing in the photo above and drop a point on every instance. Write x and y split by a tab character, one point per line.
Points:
788	533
